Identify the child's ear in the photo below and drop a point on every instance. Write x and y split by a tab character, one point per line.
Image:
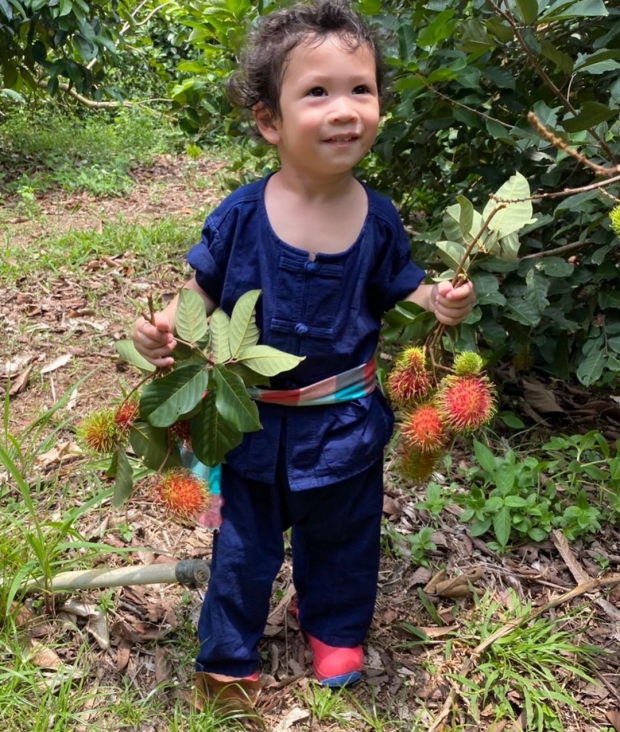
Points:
265	122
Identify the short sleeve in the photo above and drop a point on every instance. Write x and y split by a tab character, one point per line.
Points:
209	261
395	275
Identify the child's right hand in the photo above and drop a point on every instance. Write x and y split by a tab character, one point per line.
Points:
154	342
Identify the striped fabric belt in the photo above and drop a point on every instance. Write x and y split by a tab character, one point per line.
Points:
352	384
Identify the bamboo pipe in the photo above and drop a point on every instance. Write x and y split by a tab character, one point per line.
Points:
192	573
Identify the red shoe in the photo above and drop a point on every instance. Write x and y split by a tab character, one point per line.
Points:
333	666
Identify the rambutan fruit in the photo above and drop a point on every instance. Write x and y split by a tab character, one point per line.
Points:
180	431
422	429
408	381
466	402
417	466
468	363
98	432
182	492
126	414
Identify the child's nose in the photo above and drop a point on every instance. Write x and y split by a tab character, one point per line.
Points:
342	110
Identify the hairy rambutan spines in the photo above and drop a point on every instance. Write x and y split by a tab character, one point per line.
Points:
468	363
182	492
422	429
417	466
409	380
181	432
98	432
466	403
412	358
126	415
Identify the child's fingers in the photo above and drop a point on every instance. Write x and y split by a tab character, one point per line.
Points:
451	294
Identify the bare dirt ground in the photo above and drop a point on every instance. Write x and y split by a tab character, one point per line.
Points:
63	328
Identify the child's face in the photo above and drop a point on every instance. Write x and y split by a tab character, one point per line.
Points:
329	108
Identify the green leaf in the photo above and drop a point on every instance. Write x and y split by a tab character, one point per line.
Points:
528	10
268	361
127	351
537	288
556	267
250	378
515	502
212	435
233	401
220	333
561	59
509	247
243	330
191	317
84	47
164	400
451	253
591	368
590	115
511	420
561	9
522	311
484	457
515	215
502	525
153	447
608	299
123	487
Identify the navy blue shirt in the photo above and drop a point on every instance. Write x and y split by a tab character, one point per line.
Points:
327	309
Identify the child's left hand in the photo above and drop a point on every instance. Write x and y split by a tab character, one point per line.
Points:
451	305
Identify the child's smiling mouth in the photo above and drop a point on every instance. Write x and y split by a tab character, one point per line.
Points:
342	139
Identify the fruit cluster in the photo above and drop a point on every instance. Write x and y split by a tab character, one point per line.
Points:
433	412
103	431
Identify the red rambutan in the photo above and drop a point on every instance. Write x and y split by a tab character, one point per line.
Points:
408	381
126	415
180	431
466	402
417	466
182	492
423	430
98	432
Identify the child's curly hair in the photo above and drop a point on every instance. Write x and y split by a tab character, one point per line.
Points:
258	79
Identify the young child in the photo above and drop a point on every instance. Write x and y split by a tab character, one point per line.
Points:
330	257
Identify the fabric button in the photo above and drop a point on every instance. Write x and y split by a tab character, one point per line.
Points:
300	329
310	266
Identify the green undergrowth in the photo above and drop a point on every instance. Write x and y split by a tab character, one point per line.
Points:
510	494
48	146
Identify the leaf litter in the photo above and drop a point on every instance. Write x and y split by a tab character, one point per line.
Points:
54	335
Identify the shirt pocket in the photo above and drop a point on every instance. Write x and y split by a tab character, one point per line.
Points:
307	300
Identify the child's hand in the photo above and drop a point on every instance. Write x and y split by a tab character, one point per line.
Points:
154	342
451	305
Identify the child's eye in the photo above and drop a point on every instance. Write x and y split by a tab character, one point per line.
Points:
361	89
317	91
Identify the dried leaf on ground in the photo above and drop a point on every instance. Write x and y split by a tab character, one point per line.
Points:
44	657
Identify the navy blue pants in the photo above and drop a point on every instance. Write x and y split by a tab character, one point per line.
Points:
336	548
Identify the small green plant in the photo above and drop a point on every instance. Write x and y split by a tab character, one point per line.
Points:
420	544
325	704
437	498
525	668
573	484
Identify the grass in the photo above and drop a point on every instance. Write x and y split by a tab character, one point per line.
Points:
150	246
